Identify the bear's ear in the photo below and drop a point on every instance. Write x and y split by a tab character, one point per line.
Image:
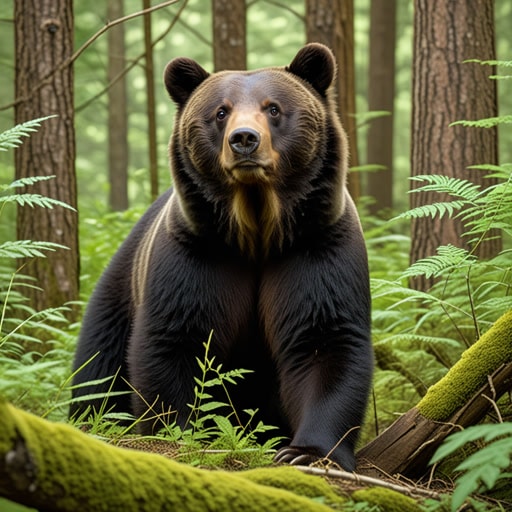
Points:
315	63
181	77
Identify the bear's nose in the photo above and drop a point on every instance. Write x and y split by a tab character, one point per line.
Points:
244	141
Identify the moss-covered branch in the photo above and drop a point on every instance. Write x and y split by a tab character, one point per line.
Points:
458	400
470	373
55	467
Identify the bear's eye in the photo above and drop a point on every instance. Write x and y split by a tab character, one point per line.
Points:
273	110
221	114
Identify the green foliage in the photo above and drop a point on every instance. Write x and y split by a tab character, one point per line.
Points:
481	470
212	435
100	237
448	257
11	138
31	374
208	420
430	330
488	122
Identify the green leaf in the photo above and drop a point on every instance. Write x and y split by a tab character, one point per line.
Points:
488	122
447	258
12	137
33	200
27	249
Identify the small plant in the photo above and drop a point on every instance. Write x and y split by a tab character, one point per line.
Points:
215	430
482	470
208	420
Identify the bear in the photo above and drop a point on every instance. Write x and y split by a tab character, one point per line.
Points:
257	244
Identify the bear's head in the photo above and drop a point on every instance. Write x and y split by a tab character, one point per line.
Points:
258	156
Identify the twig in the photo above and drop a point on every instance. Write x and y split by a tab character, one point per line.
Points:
72	58
134	62
368	480
493	399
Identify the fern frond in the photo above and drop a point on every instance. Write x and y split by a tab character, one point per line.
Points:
455	187
447	258
12	138
488	122
503	171
431	210
415	339
29	180
502	63
33	200
27	249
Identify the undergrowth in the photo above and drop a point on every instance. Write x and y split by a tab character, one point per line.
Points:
430	330
215	430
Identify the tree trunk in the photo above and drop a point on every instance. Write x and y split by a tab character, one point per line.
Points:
460	399
117	115
446	89
331	22
43	40
229	34
381	97
151	104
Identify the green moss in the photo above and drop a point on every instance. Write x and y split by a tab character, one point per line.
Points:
291	479
493	349
73	471
386	499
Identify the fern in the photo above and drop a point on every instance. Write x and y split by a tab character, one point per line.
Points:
33	200
488	122
503	63
482	469
465	191
27	181
455	187
448	257
432	210
27	249
11	138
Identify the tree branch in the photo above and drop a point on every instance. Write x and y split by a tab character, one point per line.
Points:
89	42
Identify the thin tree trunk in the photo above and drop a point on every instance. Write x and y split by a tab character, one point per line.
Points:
229	34
446	89
381	97
331	22
43	39
150	99
117	114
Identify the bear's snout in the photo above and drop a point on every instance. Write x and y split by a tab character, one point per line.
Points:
244	141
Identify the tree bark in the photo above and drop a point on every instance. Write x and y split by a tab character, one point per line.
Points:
229	34
446	89
460	399
331	22
151	104
43	40
117	114
381	97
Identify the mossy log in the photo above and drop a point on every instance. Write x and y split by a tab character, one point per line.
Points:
55	467
460	399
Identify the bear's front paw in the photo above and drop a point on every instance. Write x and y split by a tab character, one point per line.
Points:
296	456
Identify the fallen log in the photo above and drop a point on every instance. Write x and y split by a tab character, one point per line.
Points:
55	467
461	398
